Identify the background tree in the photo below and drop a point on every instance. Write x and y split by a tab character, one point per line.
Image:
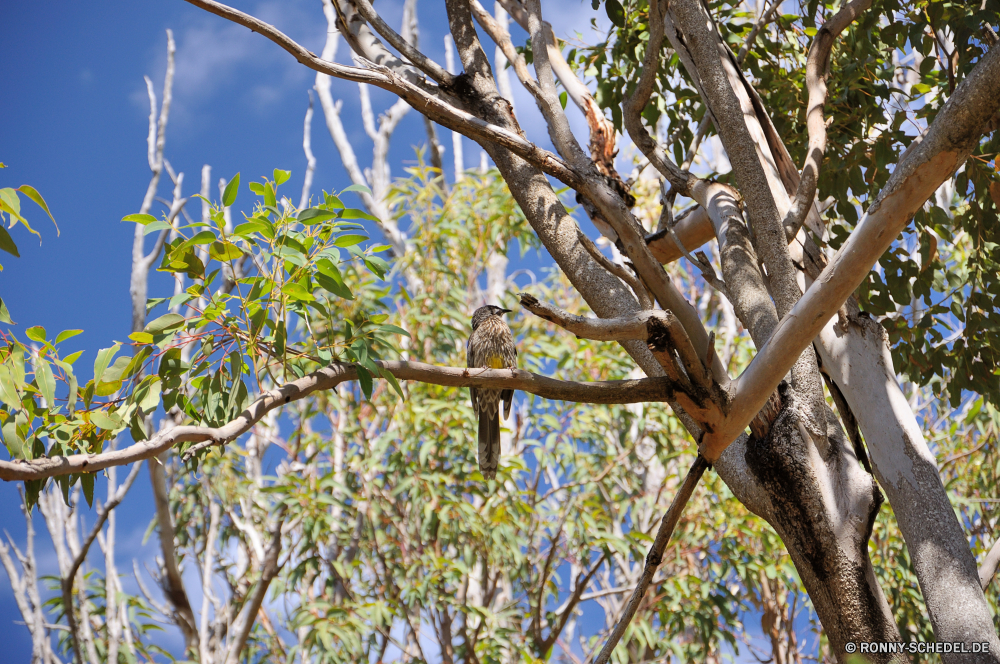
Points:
270	320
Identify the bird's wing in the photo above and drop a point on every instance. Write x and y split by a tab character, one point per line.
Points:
472	361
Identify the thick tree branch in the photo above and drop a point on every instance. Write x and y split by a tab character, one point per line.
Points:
694	229
614	391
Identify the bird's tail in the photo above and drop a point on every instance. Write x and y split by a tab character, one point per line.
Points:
489	442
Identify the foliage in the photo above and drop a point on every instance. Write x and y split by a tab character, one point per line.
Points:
10	214
273	266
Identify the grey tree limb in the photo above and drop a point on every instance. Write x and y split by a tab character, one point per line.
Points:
655	555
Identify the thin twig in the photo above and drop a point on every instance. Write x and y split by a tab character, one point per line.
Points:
655	555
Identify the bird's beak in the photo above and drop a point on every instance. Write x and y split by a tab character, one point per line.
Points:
506	311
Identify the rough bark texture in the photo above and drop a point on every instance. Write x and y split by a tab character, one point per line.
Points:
823	507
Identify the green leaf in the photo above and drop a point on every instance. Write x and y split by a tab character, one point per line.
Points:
67	334
36	333
351	213
378	266
357	187
393	383
232	188
255	225
46	381
112	376
137	428
33	194
281	177
13	440
70	359
11	203
140	218
365	379
7	242
615	12
296	291
311	216
87	484
204	237
563	98
224	251
103	360
394	329
4	314
8	388
165	323
105	420
349	240
147	394
334	286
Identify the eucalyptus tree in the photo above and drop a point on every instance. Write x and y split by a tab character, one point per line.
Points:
894	245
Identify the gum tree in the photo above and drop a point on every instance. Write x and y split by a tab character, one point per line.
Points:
898	228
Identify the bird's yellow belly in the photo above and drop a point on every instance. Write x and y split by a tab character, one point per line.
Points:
495	362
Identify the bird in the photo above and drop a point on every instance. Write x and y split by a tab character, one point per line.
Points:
491	346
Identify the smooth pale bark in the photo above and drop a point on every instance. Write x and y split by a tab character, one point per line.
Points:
859	362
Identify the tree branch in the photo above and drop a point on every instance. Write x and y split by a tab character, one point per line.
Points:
989	566
655	555
680	181
421	61
612	391
70	577
432	105
817	70
310	157
619	271
248	614
601	329
172	582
